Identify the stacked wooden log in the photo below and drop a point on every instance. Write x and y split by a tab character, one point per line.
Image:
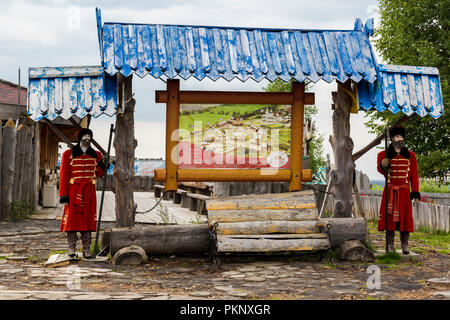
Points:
267	223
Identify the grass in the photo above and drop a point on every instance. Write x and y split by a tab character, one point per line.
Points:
21	209
422	240
425	186
389	258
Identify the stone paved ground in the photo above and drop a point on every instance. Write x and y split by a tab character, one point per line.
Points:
26	245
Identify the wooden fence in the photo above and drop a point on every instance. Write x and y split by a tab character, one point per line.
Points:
18	165
434	216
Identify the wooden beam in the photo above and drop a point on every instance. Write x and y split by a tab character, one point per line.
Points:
58	132
233	175
172	137
297	115
230	97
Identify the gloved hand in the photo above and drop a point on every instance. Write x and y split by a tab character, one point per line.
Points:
385	163
415	195
64	199
105	163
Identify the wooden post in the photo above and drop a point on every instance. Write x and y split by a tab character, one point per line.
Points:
297	112
124	145
342	144
1	148
36	160
172	126
7	169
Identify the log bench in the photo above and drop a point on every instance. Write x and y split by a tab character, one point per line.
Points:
197	202
159	191
177	196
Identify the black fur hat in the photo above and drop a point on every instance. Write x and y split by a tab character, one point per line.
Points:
397	130
82	132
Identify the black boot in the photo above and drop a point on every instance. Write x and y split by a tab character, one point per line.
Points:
72	239
86	239
390	239
404	238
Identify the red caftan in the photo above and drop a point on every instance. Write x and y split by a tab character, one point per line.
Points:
77	180
403	175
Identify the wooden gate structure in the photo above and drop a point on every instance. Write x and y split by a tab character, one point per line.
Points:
174	52
173	97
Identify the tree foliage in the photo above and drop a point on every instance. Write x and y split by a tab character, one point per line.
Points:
415	32
317	159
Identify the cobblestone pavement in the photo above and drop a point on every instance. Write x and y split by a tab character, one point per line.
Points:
26	245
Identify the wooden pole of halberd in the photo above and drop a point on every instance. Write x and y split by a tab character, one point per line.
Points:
172	126
124	145
297	115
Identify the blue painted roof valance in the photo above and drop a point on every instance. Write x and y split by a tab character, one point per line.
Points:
67	91
403	88
225	52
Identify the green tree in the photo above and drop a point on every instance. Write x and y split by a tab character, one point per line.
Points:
317	159
415	32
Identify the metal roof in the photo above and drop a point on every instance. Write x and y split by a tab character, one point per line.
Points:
68	91
228	52
403	88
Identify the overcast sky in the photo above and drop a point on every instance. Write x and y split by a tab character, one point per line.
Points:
38	33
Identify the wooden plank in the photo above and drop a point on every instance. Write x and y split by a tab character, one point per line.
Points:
266	227
236	97
262	215
226	244
233	175
52	72
1	151
8	168
197	196
267	202
275	196
278	236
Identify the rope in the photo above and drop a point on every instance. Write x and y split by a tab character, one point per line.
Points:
157	203
331	193
213	250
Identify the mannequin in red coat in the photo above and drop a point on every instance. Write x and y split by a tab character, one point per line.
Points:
80	166
403	186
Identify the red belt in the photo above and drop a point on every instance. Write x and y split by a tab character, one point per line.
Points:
79	201
394	200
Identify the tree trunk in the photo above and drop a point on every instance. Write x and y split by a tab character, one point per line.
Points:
124	145
342	144
132	255
165	239
354	250
8	167
343	229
